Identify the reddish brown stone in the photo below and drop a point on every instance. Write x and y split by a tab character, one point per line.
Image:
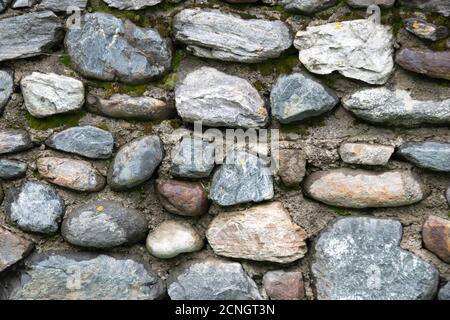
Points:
436	237
280	285
183	198
12	248
435	64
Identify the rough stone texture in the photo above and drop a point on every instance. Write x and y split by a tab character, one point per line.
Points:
281	285
360	258
14	140
107	48
19	4
183	198
29	35
436	237
426	30
292	167
299	96
367	3
6	87
87	141
4	4
435	64
193	158
396	108
34	207
131	4
438	6
366	154
172	238
12	248
307	6
242	178
223	36
135	162
61	5
49	94
221	100
55	276
126	107
70	173
212	279
103	224
444	293
358	49
428	155
365	189
262	233
12	169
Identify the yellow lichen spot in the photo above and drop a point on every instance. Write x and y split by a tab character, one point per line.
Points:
100	209
416	25
338	25
262	112
242	162
426	30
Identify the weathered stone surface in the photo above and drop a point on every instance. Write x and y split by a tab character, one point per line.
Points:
434	64
292	167
87	141
54	276
126	107
12	248
281	285
299	96
12	169
61	5
307	6
241	1
6	87
444	293
29	35
19	4
212	279
219	100
428	155
131	4
436	237
224	36
172	238
242	178
396	108
367	3
366	154
14	140
438	6
193	158
358	49
49	94
108	48
4	4
103	224
426	30
365	189
262	233
34	207
360	258
135	162
70	173
183	198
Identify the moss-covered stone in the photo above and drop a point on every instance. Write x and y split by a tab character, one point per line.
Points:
62	120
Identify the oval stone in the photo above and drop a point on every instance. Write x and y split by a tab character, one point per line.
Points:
14	140
12	169
436	237
434	64
428	155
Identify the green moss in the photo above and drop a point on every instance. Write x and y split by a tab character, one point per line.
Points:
439	45
169	81
111	88
342	211
176	123
66	120
65	59
137	17
282	65
103	126
259	85
393	17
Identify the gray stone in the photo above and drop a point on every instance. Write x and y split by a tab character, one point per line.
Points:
428	155
224	36
219	100
365	189
434	64
360	258
444	293
34	207
396	108
4	4
292	167
367	3
135	162
103	224
14	140
20	4
13	248
193	158
438	6
132	4
12	169
6	87
242	178
425	30
365	154
107	48
172	238
298	97
57	276
29	35
307	6
358	49
61	5
49	94
212	279
87	141
126	107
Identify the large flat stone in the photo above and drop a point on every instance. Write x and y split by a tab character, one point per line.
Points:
435	64
428	155
307	6
61	5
